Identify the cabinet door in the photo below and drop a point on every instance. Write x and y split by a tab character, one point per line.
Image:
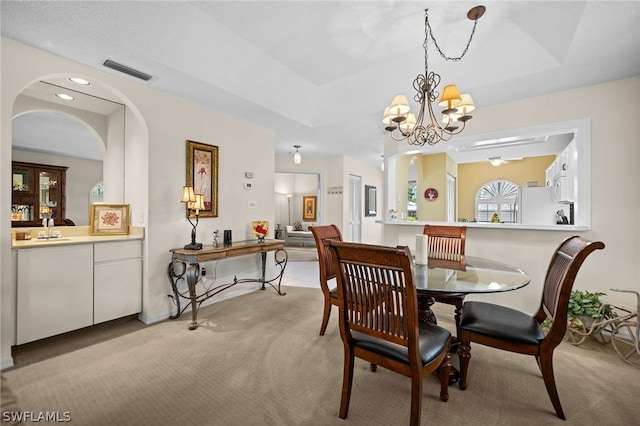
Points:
22	198
118	289
117	280
55	291
50	195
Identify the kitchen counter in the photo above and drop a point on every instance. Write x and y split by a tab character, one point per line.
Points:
72	235
415	223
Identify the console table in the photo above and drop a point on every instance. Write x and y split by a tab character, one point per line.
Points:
185	264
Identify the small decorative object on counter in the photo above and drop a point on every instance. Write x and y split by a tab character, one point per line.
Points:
393	215
227	237
562	219
216	243
495	218
260	229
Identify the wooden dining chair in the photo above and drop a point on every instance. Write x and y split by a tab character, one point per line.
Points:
322	234
446	244
511	330
379	320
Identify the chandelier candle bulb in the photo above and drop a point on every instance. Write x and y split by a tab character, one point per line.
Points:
422	249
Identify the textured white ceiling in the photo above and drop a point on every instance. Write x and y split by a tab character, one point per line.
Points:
320	73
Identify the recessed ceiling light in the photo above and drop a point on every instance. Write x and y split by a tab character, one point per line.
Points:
64	96
78	80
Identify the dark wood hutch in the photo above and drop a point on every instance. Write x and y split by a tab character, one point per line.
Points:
37	190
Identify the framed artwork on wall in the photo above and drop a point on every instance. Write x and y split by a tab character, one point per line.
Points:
309	208
370	204
109	219
202	175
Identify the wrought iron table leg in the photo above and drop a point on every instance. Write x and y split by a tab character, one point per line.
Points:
193	271
264	265
174	277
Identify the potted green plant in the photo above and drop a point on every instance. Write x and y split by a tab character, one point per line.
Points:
586	307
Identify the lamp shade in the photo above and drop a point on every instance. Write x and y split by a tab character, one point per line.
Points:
399	105
408	124
450	95
387	116
465	106
188	195
198	204
297	158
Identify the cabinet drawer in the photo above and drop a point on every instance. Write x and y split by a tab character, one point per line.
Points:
105	252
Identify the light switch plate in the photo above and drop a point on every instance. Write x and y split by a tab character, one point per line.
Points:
248	185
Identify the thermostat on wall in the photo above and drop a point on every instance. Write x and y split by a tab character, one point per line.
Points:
248	175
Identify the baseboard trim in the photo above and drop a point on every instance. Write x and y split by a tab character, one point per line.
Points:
6	363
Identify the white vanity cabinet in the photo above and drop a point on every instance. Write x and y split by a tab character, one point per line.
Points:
55	291
75	282
117	277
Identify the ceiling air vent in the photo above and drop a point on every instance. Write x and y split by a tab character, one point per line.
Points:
125	69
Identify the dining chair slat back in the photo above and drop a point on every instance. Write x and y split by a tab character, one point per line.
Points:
446	242
378	319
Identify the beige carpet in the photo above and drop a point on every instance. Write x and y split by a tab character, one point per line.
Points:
258	360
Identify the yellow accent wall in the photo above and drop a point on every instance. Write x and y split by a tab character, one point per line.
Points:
434	170
473	176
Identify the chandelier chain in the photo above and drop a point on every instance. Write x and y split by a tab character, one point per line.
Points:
428	33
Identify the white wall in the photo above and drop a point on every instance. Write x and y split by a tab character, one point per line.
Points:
333	208
614	111
158	126
290	188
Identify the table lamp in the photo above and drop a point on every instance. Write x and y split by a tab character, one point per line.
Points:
194	202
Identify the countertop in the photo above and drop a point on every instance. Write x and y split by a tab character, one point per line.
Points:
571	228
72	235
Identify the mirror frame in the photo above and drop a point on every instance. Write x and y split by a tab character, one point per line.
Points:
370	201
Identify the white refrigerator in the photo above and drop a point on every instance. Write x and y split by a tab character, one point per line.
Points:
536	206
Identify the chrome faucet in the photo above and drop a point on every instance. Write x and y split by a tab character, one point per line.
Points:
47	222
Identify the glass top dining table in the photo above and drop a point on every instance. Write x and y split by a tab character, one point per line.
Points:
472	275
450	281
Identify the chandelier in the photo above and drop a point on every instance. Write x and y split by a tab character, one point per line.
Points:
426	128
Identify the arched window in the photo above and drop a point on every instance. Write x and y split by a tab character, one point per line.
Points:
497	197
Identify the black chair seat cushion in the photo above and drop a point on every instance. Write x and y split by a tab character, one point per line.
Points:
432	340
504	323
